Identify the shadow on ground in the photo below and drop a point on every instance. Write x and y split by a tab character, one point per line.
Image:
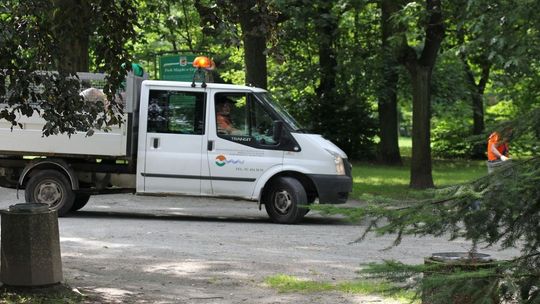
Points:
315	220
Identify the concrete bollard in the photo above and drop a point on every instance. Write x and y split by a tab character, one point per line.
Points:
30	246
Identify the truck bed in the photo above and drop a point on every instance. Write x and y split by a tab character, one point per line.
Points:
120	142
29	140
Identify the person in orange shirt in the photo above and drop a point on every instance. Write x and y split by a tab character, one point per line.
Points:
223	119
498	147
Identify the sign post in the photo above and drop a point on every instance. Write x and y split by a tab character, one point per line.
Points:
176	67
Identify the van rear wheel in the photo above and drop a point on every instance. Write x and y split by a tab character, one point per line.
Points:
283	199
52	188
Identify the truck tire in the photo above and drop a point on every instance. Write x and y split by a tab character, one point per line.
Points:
52	188
80	201
282	201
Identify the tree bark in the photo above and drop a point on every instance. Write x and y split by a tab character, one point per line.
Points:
420	70
327	28
254	39
255	60
73	28
388	149
477	103
421	176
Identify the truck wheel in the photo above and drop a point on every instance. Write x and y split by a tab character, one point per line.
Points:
282	201
52	188
80	201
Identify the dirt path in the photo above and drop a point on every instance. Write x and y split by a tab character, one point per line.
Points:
139	249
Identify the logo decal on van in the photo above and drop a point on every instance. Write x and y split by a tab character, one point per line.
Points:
221	161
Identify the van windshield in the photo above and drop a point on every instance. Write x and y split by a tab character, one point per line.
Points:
280	110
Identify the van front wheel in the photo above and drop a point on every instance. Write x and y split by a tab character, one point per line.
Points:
283	199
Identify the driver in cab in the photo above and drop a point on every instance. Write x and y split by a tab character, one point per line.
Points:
223	116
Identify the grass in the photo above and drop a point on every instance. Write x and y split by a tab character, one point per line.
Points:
56	294
287	284
393	181
405	146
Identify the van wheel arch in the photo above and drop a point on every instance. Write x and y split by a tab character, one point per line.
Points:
307	183
59	165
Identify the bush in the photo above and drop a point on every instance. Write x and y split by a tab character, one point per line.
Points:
451	139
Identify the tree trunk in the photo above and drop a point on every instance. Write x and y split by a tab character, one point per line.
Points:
254	39
478	113
73	27
388	118
478	148
255	59
420	69
75	50
327	28
388	149
477	104
421	177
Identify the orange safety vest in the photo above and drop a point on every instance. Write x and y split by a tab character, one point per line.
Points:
501	147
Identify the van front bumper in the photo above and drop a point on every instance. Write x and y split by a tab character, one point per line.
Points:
332	189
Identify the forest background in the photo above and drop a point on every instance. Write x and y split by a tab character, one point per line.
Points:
362	73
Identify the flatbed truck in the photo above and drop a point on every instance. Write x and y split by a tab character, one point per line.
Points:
171	144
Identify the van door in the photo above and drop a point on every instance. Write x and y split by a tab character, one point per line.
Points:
174	141
240	147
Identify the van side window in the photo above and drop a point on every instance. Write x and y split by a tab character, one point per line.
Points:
231	114
176	112
242	115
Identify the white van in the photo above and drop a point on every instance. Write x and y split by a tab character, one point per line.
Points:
214	140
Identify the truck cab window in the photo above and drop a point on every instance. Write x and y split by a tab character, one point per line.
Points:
231	114
242	115
176	112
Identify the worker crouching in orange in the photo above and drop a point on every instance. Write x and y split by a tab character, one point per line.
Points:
498	148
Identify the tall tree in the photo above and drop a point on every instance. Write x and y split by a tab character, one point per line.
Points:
473	46
420	67
73	46
251	14
489	39
477	85
326	73
388	149
257	20
326	26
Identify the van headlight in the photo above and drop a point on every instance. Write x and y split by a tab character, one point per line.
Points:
338	160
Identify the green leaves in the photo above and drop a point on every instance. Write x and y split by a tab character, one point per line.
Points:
41	35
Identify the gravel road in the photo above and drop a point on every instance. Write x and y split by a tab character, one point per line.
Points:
143	249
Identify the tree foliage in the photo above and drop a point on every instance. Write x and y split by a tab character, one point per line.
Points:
324	72
490	46
331	63
37	35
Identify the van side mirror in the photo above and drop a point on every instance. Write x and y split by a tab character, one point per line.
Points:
277	129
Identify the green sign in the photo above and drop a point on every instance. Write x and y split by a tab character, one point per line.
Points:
176	67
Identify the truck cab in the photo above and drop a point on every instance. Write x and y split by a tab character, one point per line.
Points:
261	155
